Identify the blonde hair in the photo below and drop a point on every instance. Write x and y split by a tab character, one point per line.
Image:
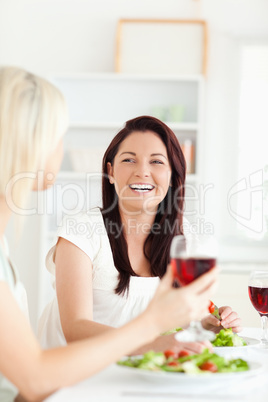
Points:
33	118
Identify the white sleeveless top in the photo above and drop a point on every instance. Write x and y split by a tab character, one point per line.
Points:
9	275
87	231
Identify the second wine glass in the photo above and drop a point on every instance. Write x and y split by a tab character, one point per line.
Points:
258	294
190	259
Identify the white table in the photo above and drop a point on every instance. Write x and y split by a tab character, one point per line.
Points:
113	384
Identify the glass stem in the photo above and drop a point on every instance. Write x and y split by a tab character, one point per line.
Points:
264	334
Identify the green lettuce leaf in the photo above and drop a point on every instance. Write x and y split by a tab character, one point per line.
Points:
226	337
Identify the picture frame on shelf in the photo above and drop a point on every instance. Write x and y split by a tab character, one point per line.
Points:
160	46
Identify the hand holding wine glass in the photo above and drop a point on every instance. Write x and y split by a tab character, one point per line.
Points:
258	294
190	259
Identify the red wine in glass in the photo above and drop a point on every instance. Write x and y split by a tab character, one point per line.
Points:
258	294
191	258
259	299
185	270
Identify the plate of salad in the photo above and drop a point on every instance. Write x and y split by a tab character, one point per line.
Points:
228	342
170	366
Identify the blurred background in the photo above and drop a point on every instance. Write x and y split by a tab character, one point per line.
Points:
216	103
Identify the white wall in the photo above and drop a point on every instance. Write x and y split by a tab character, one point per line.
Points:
48	36
72	35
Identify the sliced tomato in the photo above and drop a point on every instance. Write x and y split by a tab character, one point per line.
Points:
211	307
209	366
173	363
170	353
184	353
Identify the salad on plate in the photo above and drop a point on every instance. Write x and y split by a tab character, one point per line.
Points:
226	337
183	362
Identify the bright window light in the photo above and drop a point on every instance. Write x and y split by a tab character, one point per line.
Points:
252	187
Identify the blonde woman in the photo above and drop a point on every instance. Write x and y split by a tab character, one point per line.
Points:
33	120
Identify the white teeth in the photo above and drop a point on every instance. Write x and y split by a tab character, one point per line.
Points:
141	187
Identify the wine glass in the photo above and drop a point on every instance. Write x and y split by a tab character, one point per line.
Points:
190	259
258	294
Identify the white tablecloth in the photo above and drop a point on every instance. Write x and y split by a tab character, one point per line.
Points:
113	384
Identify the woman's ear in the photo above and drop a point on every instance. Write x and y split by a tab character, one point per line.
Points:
110	172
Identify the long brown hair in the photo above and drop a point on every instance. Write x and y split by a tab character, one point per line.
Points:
168	219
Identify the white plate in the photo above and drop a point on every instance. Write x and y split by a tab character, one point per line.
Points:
237	351
162	377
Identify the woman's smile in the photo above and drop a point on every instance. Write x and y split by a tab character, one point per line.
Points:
142	188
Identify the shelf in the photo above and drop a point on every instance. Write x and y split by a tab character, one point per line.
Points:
108	100
125	76
95	125
116	125
183	126
71	175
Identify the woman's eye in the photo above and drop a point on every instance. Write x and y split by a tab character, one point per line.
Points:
128	160
157	162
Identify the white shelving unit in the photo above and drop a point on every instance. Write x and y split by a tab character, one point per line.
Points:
99	105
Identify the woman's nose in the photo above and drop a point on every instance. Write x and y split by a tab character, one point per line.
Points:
142	170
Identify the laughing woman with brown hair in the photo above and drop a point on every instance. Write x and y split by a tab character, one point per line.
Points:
108	274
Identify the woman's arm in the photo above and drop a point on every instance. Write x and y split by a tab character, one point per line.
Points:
166	342
74	292
38	373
